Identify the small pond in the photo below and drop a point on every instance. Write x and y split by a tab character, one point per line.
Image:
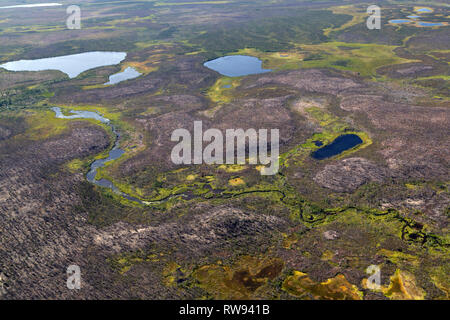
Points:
236	66
127	74
318	143
340	144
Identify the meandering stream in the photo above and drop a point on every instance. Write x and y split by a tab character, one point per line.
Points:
114	154
340	144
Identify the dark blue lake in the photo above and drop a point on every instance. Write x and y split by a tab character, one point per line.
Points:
318	143
236	66
340	144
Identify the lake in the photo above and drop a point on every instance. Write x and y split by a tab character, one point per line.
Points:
79	114
48	4
431	24
72	65
399	21
236	66
340	144
424	10
127	74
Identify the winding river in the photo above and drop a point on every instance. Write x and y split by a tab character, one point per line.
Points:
114	154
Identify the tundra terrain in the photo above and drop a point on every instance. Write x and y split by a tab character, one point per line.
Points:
225	231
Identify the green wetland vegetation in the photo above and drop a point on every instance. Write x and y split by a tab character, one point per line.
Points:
225	231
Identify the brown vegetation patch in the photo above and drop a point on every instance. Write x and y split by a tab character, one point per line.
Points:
347	175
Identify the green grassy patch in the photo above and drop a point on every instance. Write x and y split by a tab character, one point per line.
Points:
363	59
